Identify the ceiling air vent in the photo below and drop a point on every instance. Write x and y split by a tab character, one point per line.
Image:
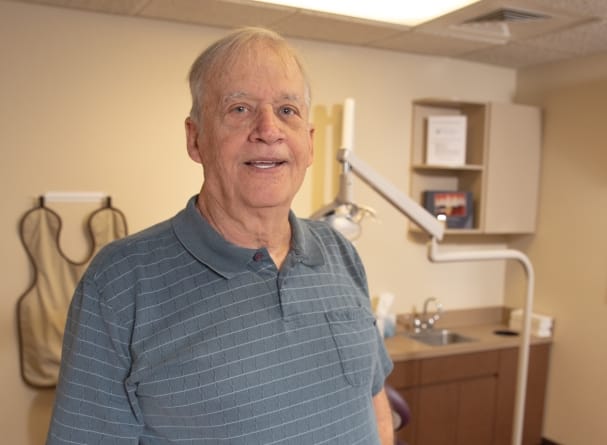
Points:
494	27
507	16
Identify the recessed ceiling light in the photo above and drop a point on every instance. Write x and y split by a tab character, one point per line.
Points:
401	12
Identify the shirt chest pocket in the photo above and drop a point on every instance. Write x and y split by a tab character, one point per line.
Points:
355	336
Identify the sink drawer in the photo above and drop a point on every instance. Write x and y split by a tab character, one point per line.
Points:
459	366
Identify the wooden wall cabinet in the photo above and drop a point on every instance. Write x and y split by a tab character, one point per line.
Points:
502	168
468	399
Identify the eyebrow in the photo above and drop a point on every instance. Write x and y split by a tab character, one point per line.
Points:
244	95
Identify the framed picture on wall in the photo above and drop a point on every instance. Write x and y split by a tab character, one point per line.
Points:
446	140
455	206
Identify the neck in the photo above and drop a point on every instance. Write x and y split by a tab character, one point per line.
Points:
268	228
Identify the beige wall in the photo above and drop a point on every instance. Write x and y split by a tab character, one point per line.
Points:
93	102
570	249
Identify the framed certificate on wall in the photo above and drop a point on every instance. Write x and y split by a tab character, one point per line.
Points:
446	140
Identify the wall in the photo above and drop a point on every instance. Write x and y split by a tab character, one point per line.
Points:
570	249
93	102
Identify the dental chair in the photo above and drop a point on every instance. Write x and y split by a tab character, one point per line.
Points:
401	413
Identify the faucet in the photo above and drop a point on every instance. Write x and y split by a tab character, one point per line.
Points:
427	321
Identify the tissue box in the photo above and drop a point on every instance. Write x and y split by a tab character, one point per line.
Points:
386	321
541	325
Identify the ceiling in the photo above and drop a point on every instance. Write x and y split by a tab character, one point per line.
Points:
516	33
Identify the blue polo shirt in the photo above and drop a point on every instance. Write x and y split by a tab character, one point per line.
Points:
175	335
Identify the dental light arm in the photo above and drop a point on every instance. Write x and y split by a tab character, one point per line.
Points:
393	195
345	216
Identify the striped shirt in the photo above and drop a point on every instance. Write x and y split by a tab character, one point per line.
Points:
175	336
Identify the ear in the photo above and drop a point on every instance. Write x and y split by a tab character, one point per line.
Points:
191	133
311	137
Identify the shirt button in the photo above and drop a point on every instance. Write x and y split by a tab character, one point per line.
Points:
258	256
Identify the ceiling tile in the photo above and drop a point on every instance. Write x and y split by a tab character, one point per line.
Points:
423	43
216	12
458	23
584	39
575	27
319	26
515	55
127	7
584	7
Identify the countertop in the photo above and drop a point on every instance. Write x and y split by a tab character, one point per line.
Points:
402	348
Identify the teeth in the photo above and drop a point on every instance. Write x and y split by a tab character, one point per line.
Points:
263	164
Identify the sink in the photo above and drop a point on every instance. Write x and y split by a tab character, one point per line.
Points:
439	337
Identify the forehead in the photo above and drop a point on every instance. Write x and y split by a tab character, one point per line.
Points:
259	68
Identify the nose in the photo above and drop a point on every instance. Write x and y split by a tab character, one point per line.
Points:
267	126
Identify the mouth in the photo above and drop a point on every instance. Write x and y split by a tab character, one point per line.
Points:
264	165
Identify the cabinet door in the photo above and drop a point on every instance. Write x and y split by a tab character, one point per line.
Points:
512	169
476	411
537	377
458	413
468	399
437	414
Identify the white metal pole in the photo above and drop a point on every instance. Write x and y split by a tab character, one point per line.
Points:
523	353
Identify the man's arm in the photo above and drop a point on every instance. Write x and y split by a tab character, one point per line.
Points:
383	414
92	404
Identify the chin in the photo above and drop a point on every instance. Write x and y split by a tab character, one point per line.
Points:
269	203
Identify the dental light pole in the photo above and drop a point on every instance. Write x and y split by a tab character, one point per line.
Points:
346	216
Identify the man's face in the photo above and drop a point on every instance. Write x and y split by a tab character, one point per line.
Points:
254	140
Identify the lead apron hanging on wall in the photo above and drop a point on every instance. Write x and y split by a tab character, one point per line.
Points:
42	309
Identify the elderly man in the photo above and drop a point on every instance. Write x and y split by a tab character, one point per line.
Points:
234	322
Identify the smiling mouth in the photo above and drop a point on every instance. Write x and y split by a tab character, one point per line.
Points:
264	164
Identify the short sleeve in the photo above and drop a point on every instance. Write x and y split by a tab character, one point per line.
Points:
383	366
92	403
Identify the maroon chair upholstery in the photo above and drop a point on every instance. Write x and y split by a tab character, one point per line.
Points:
401	414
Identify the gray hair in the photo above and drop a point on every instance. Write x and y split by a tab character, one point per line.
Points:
226	50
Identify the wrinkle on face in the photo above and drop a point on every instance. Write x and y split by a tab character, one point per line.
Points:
256	141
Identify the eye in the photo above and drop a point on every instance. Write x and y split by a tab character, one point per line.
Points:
288	110
239	109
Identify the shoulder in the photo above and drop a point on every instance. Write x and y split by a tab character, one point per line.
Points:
336	249
122	269
138	244
136	257
332	254
330	240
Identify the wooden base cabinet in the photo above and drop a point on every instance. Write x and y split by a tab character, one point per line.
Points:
464	409
536	393
468	399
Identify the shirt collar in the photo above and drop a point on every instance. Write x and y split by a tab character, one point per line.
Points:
305	246
227	259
